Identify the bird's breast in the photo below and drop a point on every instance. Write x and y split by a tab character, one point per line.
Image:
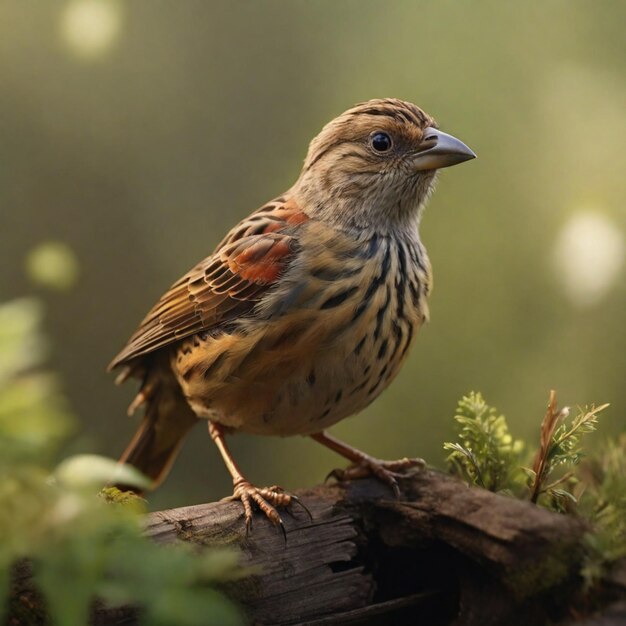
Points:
323	344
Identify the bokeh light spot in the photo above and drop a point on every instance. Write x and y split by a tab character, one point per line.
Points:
589	255
54	265
90	27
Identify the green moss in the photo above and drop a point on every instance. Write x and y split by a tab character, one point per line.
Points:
558	563
113	495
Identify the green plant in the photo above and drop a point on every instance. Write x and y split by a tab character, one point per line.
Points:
81	546
602	499
561	477
486	454
560	447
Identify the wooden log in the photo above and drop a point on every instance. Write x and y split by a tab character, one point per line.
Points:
441	554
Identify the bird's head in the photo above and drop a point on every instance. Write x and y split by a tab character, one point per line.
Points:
375	165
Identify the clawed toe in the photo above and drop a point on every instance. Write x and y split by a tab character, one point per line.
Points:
386	471
267	500
299	502
404	464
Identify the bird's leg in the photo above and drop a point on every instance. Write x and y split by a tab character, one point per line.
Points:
266	498
365	465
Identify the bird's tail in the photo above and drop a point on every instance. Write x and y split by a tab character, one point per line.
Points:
167	420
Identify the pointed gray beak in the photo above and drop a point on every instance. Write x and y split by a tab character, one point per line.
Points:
441	150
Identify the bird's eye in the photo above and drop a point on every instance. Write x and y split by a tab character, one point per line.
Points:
381	142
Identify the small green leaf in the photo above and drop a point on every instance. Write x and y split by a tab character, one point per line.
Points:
88	470
564	494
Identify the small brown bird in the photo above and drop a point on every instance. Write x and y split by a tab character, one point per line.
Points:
305	311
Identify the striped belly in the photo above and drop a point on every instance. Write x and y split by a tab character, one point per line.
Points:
337	347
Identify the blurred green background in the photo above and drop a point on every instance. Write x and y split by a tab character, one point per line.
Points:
137	133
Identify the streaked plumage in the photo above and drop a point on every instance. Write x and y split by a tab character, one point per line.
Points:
306	310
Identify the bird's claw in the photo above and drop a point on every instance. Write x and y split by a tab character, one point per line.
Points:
386	471
267	500
299	502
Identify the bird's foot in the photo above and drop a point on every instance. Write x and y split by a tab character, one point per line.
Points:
386	471
267	500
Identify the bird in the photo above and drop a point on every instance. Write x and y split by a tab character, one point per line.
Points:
305	311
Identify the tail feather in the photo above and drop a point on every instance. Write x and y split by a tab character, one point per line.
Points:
160	435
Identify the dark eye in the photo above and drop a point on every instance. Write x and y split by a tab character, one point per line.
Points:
381	142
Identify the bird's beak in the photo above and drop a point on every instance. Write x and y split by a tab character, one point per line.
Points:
441	150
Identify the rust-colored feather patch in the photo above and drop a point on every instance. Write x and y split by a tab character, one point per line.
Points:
226	285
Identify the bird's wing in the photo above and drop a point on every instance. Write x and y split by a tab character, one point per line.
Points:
226	285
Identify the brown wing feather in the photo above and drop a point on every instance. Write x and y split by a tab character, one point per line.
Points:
224	286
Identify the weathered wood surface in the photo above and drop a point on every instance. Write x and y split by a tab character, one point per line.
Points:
443	553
